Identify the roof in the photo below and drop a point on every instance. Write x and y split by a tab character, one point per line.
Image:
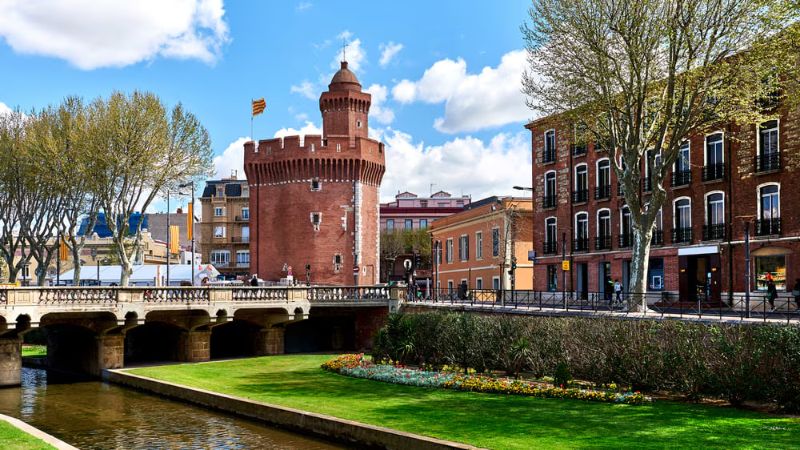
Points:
101	228
440	194
233	188
344	80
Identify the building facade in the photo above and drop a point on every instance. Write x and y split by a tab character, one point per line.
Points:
478	245
723	181
224	239
411	212
314	201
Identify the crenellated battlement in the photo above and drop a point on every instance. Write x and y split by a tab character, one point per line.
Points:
295	146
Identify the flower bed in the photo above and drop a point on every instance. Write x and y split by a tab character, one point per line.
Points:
354	365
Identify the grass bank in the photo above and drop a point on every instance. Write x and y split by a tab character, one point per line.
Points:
484	420
34	350
12	438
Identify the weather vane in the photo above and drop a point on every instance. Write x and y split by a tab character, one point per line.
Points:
344	49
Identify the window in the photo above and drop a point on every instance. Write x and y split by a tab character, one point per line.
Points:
625	227
771	268
450	286
549	236
246	234
658	229
655	274
603	230
408	224
219	231
423	223
581	192
768	138
715	216
715	167
682	231
463	248
219	211
337	262
316	220
358	123
390	224
220	257
243	257
579	147
549	200
316	185
603	189
769	210
581	231
496	283
648	170
338	147
479	283
423	203
552	277
479	245
549	146
448	250
681	173
246	213
495	242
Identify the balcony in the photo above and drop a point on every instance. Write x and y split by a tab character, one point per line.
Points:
714	172
578	149
580	245
549	201
548	156
220	264
768	227
625	240
549	248
242	218
242	265
768	162
714	232
658	237
240	239
602	242
602	192
580	196
682	235
681	178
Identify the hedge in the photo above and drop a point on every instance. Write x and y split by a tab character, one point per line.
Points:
737	362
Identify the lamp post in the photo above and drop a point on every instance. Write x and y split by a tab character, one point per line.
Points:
169	233
533	268
191	221
746	220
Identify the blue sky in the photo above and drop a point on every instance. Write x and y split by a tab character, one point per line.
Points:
444	75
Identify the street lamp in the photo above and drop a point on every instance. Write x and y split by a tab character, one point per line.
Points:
191	221
523	188
746	220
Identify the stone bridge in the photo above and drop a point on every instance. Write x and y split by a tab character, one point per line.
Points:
88	329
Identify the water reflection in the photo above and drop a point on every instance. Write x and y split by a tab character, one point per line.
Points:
91	414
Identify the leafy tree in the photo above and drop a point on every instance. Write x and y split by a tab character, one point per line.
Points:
12	135
640	76
399	242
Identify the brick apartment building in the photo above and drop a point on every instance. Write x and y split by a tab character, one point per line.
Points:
722	180
314	202
478	245
408	211
224	239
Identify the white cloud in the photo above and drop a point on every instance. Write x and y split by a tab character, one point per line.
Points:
91	34
301	117
378	109
303	6
308	128
463	165
232	158
306	89
4	109
388	52
473	102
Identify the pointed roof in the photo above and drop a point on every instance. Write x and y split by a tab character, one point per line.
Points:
344	80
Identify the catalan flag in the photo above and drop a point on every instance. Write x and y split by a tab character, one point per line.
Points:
63	250
259	106
174	239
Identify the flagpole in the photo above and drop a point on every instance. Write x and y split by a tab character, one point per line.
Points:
251	121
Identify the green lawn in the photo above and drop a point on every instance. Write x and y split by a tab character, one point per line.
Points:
485	420
34	350
11	438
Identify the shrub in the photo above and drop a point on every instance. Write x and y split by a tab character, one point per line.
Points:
738	362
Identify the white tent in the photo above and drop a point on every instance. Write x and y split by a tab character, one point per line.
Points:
143	275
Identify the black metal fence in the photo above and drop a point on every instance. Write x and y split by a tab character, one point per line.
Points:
659	304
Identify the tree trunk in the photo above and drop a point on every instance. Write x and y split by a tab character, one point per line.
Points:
76	266
640	260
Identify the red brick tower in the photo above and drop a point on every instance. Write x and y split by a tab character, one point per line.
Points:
316	202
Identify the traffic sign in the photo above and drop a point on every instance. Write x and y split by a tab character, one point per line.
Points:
565	265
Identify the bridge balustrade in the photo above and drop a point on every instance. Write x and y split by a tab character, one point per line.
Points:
82	295
177	295
347	294
260	294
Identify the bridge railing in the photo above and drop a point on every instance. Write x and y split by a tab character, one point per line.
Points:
3	296
260	294
76	295
177	295
360	294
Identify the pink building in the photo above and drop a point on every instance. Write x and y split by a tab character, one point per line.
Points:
409	211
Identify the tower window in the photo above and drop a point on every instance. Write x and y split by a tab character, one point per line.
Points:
337	262
316	185
358	123
312	147
338	147
316	220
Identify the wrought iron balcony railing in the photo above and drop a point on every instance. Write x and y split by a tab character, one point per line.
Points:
602	192
714	232
658	237
548	156
602	242
714	172
549	247
580	244
681	235
768	162
549	201
681	178
625	240
580	196
768	227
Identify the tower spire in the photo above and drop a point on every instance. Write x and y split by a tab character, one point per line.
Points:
344	49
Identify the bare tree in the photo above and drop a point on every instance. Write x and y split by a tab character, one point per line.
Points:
145	151
12	136
641	76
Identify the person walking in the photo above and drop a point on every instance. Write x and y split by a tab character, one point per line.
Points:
796	293
772	293
608	291
618	291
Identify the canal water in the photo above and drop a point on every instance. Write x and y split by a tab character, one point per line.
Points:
96	415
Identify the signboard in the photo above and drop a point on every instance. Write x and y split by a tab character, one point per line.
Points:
565	265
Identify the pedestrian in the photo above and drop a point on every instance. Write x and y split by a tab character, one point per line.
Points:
618	291
254	281
796	293
772	293
608	290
